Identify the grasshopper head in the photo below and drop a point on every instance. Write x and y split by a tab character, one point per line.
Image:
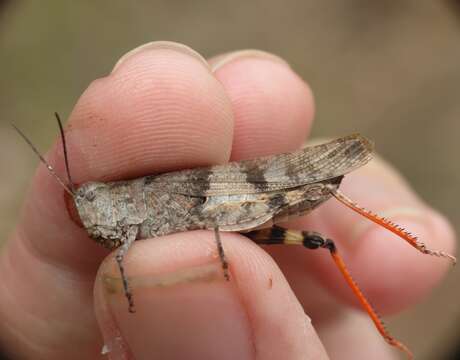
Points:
93	202
91	205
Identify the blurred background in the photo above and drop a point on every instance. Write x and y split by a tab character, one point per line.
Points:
387	69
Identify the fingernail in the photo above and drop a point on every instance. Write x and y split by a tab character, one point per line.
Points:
225	59
189	313
161	45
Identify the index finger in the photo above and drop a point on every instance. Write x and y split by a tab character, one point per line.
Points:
159	110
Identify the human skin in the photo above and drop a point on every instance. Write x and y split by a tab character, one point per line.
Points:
164	108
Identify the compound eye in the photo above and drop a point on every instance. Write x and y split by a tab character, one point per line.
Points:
90	195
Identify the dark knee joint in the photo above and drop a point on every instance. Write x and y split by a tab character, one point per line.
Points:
313	240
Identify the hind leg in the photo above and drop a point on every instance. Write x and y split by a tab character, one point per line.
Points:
312	240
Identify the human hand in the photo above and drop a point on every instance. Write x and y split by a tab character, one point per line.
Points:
165	108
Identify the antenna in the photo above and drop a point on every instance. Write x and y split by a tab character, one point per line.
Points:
64	146
70	190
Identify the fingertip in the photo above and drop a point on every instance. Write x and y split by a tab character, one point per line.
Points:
273	107
178	283
156	45
160	109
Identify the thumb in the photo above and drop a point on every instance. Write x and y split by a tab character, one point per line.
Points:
186	309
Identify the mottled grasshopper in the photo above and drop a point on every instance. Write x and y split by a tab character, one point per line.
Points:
248	196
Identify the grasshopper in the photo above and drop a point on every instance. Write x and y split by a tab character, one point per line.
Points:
250	197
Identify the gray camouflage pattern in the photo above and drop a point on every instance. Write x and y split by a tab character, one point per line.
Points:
239	196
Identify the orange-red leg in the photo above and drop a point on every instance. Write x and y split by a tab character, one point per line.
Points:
312	240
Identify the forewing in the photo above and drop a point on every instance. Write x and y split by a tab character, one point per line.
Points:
271	173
